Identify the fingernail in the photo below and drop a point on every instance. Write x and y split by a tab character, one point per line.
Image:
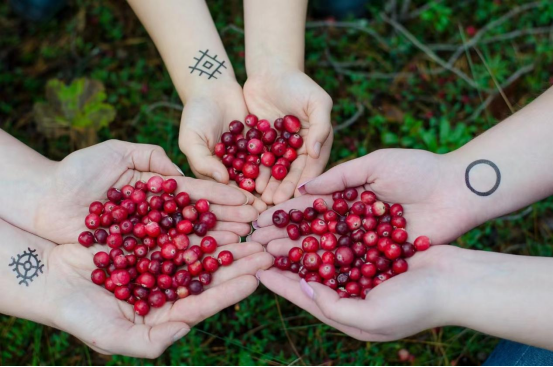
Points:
301	188
178	169
258	275
247	200
217	176
317	148
254	225
306	289
181	333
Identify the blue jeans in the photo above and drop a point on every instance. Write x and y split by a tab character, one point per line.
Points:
509	353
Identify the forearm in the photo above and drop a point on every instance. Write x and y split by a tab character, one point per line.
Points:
24	180
504	295
23	289
182	32
520	148
275	34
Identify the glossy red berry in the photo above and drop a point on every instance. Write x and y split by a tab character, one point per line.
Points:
422	243
291	124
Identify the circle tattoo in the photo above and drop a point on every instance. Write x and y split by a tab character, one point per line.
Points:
497	177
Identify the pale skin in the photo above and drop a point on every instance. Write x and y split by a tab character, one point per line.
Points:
64	297
504	295
276	85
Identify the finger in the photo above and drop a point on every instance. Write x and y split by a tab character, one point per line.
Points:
145	157
248	265
241	229
282	246
214	192
262	180
300	203
241	214
201	158
240	250
350	174
253	200
314	167
287	285
320	127
222	238
268	234
193	310
287	187
269	191
151	341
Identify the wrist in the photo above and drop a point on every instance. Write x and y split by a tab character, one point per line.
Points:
269	63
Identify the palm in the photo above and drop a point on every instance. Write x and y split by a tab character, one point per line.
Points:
109	326
86	175
384	313
409	177
273	96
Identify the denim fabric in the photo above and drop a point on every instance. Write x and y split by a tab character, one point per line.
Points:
509	353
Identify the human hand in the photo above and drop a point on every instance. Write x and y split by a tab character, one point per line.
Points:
406	304
288	91
434	202
110	326
85	176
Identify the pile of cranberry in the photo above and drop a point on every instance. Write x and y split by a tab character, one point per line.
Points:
261	145
352	247
140	219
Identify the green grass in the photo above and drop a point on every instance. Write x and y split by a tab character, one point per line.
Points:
406	101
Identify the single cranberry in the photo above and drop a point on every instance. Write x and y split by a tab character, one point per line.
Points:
293	231
320	205
196	287
328	257
115	229
382	264
331	283
295	254
182	199
208	245
368	270
153	229
303	272
225	258
242	147
198	250
342	228
92	221
157	298
182	278
122	293
344	256
282	263
407	250
185	226
422	243
291	124
398	222
344	241
101	236
98	276
281	218
164	281
357	235
220	150
236	127
154	184
368	197
114	240
200	229
138	196
353	221
86	239
383	243
305	228
254	134
319	226
120	262
295	268
110	286
379	208
189	212
269	137
295	141
126	226
353	288
396	210
340	206
380	278
313	277
202	206
279	171
268	159
312	261
96	208
146	280
141	292
190	256
114	195
251	170
183	292
310	244
141	308
251	120
255	146
359	249
120	277
247	184
399	235
393	251
279	124
141	251
101	259
210	264
399	266
278	149
329	241
327	271
290	154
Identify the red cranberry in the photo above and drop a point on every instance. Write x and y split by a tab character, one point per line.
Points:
312	261
383	243
198	250
353	288
328	257
379	208
101	236
382	264
183	292
398	222
350	194
236	127
282	263
152	229
182	199
305	228
114	240
102	259
200	229
399	266
255	146
407	250
141	308
251	170
196	268
120	262
164	281
310	244
279	124
141	251
281	218
359	249
154	184
157	298
254	134
290	154
392	251
247	184
357	236
185	226
293	231
344	241
114	195
380	278
182	278
122	293
295	268
329	242
309	214
120	277
269	137
331	283
225	258
147	280
295	254
291	124
86	239
396	210
313	277
96	208
279	171
268	159
98	277
169	186
141	292
342	228
251	120
295	141
368	197
210	264
340	206
327	271
353	221
342	279
92	221
319	226
196	287
422	243
320	205
344	256
202	206
205	278
399	235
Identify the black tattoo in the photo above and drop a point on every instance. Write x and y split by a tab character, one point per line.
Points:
497	179
27	266
207	64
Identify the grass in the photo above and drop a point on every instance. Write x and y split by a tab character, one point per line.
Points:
413	79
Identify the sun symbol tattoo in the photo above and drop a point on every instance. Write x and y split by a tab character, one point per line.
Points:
27	266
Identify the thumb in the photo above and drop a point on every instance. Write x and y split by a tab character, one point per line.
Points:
320	127
201	159
341	310
350	174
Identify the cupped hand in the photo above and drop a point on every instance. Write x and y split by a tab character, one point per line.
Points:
86	175
420	181
110	326
402	306
277	93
